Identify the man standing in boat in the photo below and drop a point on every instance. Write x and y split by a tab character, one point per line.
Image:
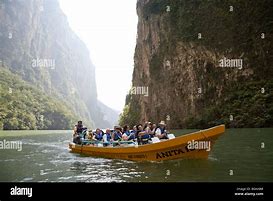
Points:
79	133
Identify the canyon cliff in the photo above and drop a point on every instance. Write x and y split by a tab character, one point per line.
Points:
204	63
39	48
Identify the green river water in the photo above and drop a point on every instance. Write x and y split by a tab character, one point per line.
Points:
238	155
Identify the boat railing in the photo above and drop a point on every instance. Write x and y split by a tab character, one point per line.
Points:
111	143
121	142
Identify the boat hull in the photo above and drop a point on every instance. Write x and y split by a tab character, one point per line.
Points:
171	149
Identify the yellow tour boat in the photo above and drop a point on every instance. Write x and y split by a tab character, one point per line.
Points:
193	145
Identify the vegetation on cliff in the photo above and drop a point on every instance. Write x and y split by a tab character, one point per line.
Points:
130	113
23	106
38	45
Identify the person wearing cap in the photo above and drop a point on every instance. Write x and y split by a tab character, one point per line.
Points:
160	131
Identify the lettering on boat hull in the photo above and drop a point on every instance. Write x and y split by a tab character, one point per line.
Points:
173	152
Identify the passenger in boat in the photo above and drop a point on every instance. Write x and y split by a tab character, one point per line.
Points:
127	135
134	129
160	131
125	132
107	137
98	135
148	133
151	130
90	135
117	134
142	135
139	130
133	132
79	133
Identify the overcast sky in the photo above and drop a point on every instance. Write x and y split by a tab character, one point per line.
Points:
108	28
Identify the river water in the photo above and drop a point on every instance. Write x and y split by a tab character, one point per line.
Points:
238	155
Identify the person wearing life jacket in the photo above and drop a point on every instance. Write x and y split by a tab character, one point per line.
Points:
152	132
127	135
148	133
142	135
160	131
79	133
117	134
134	129
98	135
107	137
132	135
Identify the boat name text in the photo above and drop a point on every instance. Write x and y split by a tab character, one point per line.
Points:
173	152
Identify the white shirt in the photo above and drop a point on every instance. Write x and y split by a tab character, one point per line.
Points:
158	131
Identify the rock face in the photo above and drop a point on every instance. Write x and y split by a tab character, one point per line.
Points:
204	63
38	44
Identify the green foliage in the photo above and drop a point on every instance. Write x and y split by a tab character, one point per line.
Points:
22	106
124	115
246	103
231	33
131	114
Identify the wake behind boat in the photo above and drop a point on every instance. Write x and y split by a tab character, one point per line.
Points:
193	145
